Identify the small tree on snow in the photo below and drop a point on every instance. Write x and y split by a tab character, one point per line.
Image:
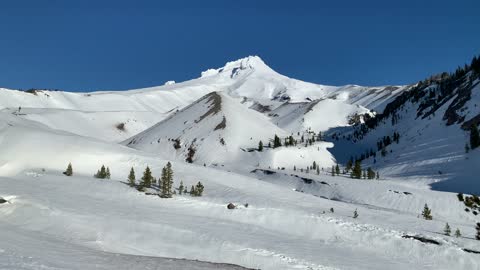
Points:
457	233
69	171
180	188
192	191
260	146
427	213
478	231
147	178
355	214
199	189
447	229
131	177
107	173
337	170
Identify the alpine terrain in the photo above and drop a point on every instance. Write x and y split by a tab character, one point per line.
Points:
243	168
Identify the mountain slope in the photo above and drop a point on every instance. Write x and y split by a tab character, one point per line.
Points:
249	78
216	128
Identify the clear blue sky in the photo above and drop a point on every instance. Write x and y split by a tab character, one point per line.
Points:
95	45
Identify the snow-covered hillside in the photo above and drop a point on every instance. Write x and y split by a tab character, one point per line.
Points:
293	209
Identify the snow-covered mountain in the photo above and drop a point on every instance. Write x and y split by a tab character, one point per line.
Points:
293	210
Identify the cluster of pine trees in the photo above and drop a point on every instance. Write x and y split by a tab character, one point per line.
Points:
291	141
103	173
357	172
427	215
164	185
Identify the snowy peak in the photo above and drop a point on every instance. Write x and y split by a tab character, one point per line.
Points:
245	65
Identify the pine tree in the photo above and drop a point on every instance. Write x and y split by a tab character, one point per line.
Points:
349	164
102	173
370	173
131	177
467	148
192	191
69	171
457	233
337	170
169	184
333	171
314	165
447	229
378	175
427	213
478	231
331	210
294	167
318	170
260	146
276	141
180	188
474	137
147	178
357	170
185	191
199	189
107	173
355	214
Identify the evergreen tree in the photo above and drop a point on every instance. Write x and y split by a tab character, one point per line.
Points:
337	170
69	171
384	151
199	189
427	213
370	173
294	167
180	188
458	233
170	179
467	148
333	171
147	178
331	210
318	170
355	214
163	182
357	170
185	191
349	164
447	229
276	142
474	137
314	166
378	175
260	146
192	191
107	173
131	177
102	173
478	231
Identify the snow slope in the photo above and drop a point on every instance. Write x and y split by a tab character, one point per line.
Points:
217	126
97	114
52	221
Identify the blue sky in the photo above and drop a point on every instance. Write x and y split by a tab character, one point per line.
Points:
101	45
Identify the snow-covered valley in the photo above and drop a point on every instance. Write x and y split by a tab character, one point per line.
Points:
293	209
